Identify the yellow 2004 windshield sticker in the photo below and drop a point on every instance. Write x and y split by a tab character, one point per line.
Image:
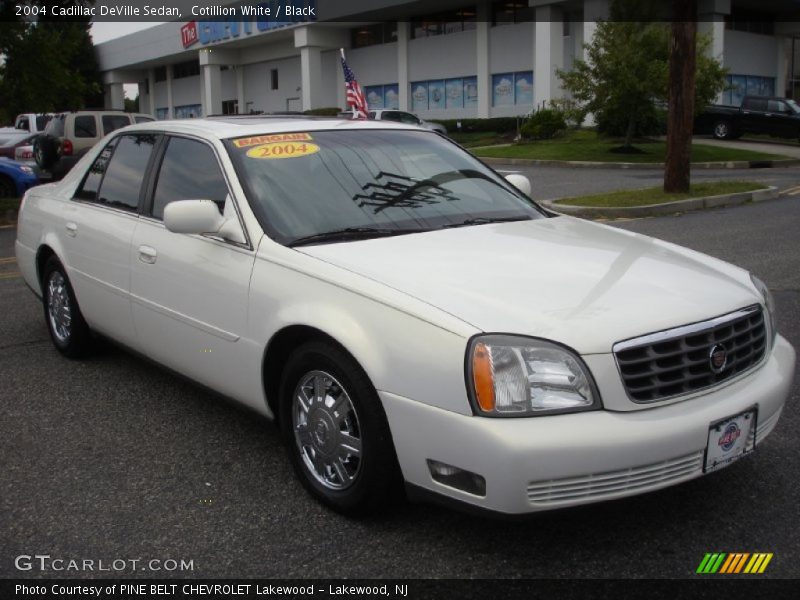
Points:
283	150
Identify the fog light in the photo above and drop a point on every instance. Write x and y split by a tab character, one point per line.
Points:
453	477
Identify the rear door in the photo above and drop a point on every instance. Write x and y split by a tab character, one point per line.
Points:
97	229
85	132
755	116
189	292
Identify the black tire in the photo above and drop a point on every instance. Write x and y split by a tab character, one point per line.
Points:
723	130
73	341
45	151
375	472
7	187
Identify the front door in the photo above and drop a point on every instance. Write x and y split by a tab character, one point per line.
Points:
189	292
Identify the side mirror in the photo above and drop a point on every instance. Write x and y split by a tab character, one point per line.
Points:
520	182
201	216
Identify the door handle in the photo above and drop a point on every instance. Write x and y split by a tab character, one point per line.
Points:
147	254
72	229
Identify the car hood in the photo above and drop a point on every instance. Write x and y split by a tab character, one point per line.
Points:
579	283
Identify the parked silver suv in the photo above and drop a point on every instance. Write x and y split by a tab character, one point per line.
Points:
68	136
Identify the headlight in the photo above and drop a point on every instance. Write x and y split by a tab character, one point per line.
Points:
25	169
511	376
769	303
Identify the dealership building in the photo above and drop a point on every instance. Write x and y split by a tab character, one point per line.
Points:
482	58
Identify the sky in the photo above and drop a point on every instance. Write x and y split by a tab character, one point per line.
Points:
104	31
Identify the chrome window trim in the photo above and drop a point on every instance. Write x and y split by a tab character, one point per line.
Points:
682	331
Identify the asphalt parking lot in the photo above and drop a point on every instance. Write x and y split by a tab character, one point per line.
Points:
114	458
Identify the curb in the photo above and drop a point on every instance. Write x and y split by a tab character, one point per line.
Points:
653	210
731	164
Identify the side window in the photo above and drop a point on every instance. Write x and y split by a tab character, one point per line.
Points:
391	115
125	172
409	119
189	171
143	119
85	126
91	183
776	106
114	122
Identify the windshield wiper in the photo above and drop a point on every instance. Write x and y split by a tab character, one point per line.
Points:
351	233
485	220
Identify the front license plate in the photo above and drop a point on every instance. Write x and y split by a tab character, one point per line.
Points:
728	440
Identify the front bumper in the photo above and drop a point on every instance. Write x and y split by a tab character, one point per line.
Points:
540	463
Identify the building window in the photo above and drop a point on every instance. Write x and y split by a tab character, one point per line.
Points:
739	86
510	89
273	79
230	107
382	96
508	12
160	74
186	69
750	21
188	111
453	21
438	94
371	35
161	113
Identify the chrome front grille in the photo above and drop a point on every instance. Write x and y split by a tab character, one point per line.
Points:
679	361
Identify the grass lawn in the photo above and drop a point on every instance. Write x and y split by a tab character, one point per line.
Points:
480	138
656	195
586	145
7	204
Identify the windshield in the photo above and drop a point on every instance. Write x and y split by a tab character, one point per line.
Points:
793	105
305	184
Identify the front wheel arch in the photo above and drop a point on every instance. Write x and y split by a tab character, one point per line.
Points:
277	353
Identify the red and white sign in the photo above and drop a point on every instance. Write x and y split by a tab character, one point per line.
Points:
189	34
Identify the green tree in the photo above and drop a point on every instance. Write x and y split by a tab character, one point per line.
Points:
626	72
48	66
132	105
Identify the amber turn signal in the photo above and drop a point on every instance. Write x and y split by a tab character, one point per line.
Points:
483	377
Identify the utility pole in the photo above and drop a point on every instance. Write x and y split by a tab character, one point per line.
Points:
680	115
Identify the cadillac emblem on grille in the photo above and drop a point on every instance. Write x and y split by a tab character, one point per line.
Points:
718	358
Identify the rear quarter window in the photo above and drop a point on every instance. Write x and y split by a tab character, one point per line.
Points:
114	122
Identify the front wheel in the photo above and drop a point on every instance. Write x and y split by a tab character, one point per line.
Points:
336	430
723	130
68	329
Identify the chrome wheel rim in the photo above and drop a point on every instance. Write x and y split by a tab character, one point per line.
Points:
326	430
59	310
721	130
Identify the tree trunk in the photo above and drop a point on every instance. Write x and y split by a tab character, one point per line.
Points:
630	131
680	116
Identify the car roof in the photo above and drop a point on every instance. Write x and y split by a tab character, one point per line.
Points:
238	126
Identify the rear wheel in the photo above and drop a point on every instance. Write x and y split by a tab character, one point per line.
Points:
336	431
723	130
68	329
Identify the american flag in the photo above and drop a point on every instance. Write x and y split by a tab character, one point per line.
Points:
354	94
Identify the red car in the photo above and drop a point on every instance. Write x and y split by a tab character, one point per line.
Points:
11	139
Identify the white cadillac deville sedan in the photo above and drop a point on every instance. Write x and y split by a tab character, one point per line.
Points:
406	314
